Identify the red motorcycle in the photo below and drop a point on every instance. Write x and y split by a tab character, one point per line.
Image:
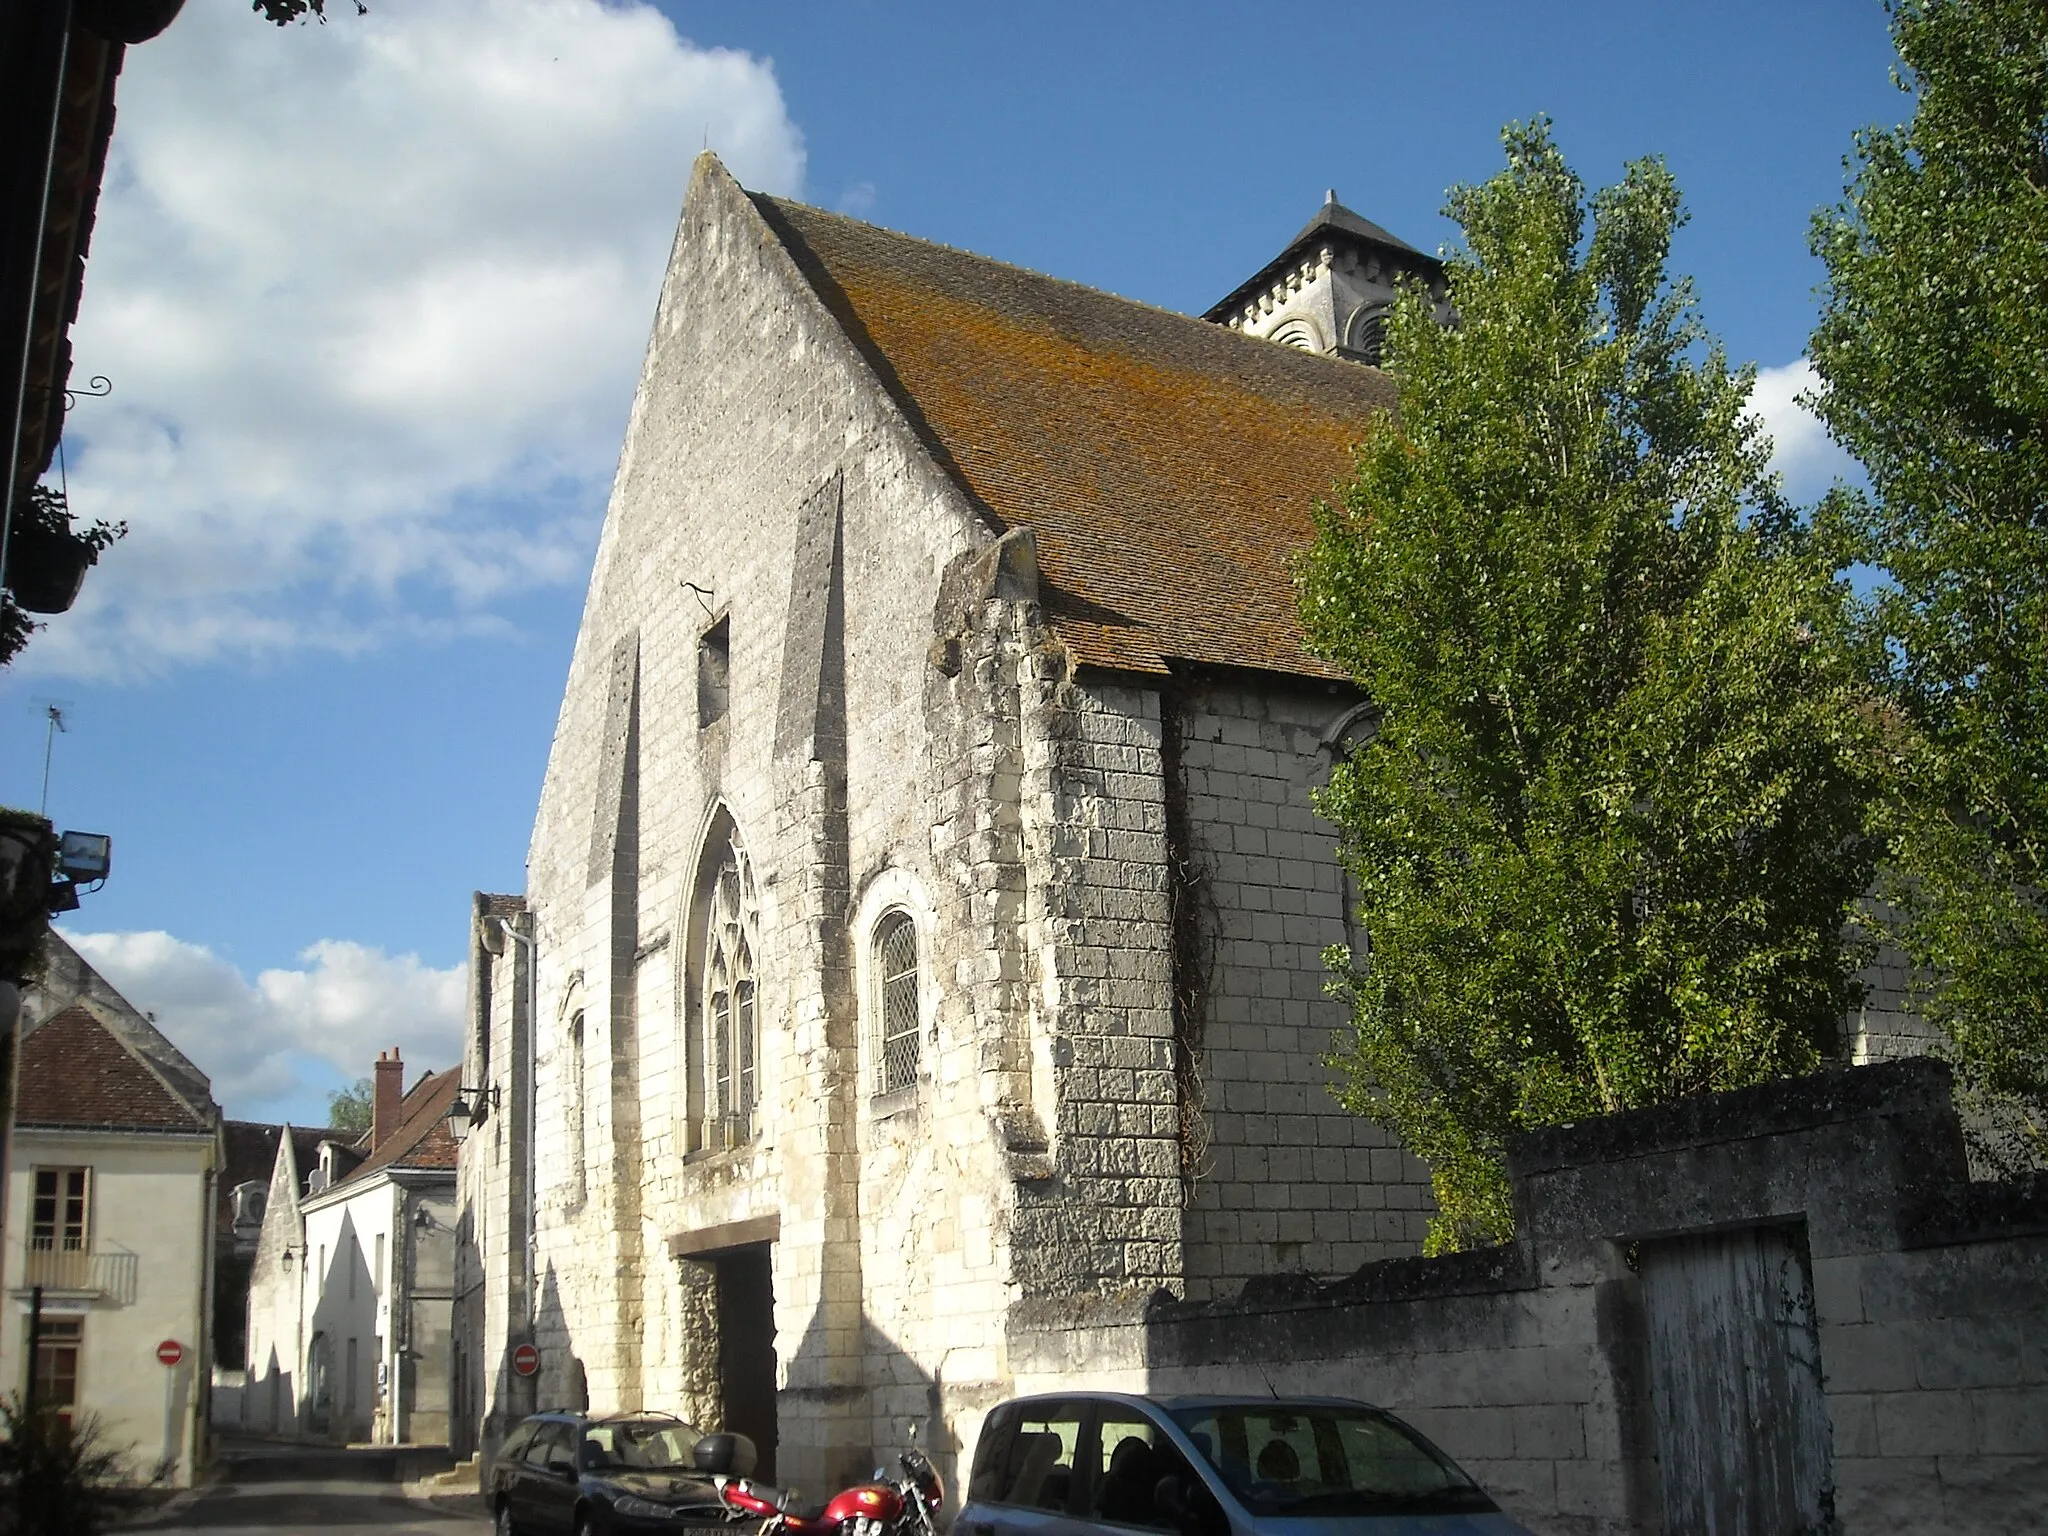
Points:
908	1506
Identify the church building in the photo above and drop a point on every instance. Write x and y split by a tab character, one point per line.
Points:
925	908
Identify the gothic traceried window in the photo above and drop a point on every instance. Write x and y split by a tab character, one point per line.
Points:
896	1013
731	1011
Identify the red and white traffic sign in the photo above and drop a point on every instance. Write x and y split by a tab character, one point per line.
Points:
170	1352
525	1359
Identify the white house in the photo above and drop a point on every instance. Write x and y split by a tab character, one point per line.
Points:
109	1251
351	1291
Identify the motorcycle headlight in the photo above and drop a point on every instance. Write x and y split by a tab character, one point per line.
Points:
641	1509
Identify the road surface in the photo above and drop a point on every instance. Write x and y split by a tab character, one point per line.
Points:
330	1491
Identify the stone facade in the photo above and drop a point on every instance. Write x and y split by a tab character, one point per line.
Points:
492	1223
1292	1181
926	906
1913	1321
818	695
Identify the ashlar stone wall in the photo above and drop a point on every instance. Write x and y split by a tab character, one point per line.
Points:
1915	1316
1290	1181
803	642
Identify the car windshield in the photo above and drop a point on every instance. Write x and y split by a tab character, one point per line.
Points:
639	1444
1289	1459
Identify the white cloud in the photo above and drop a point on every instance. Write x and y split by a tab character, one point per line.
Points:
1806	457
373	296
275	1045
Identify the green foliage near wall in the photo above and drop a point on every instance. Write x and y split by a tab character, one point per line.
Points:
1933	343
1610	833
57	1477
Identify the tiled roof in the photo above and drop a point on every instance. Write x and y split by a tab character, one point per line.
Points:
422	1139
77	1073
1167	466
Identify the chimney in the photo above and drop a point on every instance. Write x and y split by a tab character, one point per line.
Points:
389	1093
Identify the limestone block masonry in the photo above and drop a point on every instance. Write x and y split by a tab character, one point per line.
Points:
815	691
1911	1334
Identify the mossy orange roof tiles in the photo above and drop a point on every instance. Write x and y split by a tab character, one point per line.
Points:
1168	467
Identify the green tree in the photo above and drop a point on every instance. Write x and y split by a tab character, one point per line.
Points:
1933	345
1610	831
285	12
352	1108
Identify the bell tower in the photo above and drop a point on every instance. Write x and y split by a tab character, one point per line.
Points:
1330	289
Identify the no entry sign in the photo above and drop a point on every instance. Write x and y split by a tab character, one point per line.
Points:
525	1359
170	1352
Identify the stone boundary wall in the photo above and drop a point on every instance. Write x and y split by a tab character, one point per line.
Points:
1530	1363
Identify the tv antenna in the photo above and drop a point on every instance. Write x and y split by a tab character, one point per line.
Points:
53	712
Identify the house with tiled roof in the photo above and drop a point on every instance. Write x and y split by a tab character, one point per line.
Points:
352	1283
109	1244
925	902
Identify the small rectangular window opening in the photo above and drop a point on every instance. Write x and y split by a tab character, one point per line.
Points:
57	1350
714	672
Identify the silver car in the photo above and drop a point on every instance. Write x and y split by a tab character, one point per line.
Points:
1107	1464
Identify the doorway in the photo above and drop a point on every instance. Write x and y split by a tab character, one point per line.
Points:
1743	1440
746	1348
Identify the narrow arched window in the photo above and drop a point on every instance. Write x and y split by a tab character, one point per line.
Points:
579	1149
1350	735
896	1012
731	1025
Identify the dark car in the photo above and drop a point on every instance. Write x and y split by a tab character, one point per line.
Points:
1108	1464
568	1474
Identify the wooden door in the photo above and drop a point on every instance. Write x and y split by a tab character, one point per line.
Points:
1743	1441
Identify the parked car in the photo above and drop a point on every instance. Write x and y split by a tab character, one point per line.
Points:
567	1474
1104	1464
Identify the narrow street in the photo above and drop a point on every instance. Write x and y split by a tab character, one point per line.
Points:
300	1488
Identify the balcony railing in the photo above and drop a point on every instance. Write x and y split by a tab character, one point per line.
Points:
104	1272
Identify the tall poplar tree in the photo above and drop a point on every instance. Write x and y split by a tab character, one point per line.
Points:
1933	344
1610	832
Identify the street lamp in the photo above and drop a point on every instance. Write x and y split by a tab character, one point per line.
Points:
470	1108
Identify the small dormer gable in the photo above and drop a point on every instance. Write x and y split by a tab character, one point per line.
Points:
1330	288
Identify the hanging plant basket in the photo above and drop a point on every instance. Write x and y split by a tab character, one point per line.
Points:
45	568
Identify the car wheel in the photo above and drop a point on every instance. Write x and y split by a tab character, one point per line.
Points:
503	1525
586	1525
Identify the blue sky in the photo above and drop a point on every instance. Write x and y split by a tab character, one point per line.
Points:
372	298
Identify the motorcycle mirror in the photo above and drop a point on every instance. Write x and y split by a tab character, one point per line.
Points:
724	1455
